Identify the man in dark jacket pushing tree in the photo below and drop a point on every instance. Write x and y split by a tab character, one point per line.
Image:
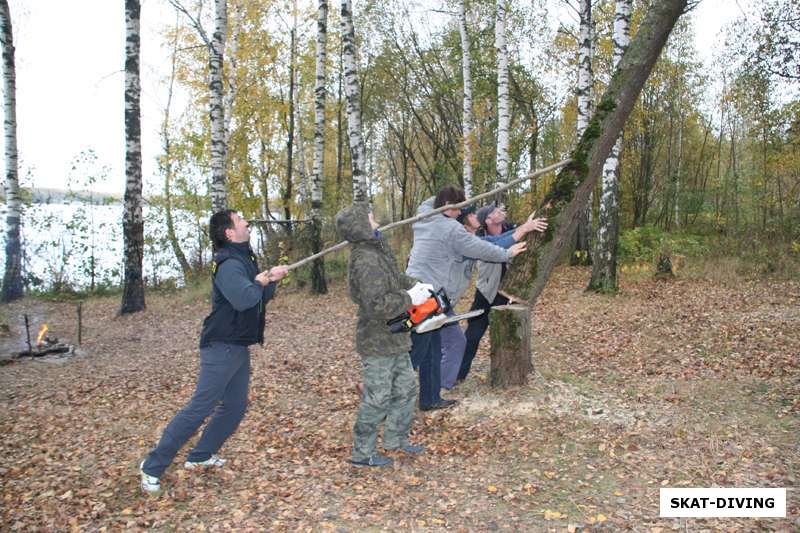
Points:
239	294
382	292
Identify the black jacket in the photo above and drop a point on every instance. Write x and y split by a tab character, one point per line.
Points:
237	300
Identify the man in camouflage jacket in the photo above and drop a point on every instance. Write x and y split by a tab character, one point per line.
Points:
382	292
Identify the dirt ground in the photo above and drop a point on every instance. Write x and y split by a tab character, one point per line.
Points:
687	383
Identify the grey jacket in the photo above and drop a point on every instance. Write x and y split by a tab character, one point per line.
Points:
444	252
490	274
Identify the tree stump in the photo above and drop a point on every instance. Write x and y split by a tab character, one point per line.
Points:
510	332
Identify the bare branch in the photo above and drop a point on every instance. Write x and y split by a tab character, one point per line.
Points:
195	21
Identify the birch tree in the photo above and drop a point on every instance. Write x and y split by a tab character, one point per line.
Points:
12	277
604	267
353	92
679	169
581	253
569	194
167	168
468	123
318	283
503	104
287	191
132	220
216	89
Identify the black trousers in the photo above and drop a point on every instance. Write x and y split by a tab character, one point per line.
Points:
476	327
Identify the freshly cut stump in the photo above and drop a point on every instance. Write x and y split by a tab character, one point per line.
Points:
510	332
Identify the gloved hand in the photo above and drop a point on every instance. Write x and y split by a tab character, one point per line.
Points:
419	293
427	286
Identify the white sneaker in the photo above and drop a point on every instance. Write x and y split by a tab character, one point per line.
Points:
150	484
215	461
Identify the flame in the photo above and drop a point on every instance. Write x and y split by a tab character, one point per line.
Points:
40	338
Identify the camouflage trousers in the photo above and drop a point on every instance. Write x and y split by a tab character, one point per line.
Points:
390	392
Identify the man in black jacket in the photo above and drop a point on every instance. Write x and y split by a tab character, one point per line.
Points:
239	294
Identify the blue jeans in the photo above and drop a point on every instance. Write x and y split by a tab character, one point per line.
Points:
221	392
426	354
453	344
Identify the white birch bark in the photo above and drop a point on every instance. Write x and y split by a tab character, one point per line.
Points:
230	93
288	191
604	270
584	90
503	108
319	108
132	220
318	282
216	89
12	276
581	254
468	123
353	92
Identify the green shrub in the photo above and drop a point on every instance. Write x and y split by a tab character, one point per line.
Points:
646	243
640	245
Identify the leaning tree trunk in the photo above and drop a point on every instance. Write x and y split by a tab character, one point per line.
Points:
132	221
353	91
604	268
570	191
318	282
12	277
503	110
186	269
581	254
468	122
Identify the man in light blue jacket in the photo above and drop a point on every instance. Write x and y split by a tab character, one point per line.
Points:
442	255
491	224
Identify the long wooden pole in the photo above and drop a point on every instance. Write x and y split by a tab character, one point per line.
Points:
465	203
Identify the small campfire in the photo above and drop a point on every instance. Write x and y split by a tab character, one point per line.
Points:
45	345
42	339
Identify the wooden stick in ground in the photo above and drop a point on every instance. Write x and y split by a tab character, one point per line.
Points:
465	203
80	324
28	334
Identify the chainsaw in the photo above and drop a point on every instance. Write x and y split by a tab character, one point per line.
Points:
428	316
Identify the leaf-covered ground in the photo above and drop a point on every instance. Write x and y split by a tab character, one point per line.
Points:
682	384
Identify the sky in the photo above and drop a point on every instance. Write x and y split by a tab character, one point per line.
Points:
70	82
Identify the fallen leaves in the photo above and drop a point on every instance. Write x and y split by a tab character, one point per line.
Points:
625	398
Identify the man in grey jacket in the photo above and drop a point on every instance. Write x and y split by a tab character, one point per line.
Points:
442	255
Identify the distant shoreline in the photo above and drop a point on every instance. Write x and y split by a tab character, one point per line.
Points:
46	195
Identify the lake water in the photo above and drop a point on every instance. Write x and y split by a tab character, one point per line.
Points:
66	243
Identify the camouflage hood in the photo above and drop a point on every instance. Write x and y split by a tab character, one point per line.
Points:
352	223
375	283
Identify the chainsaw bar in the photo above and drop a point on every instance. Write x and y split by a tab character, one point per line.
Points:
441	320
